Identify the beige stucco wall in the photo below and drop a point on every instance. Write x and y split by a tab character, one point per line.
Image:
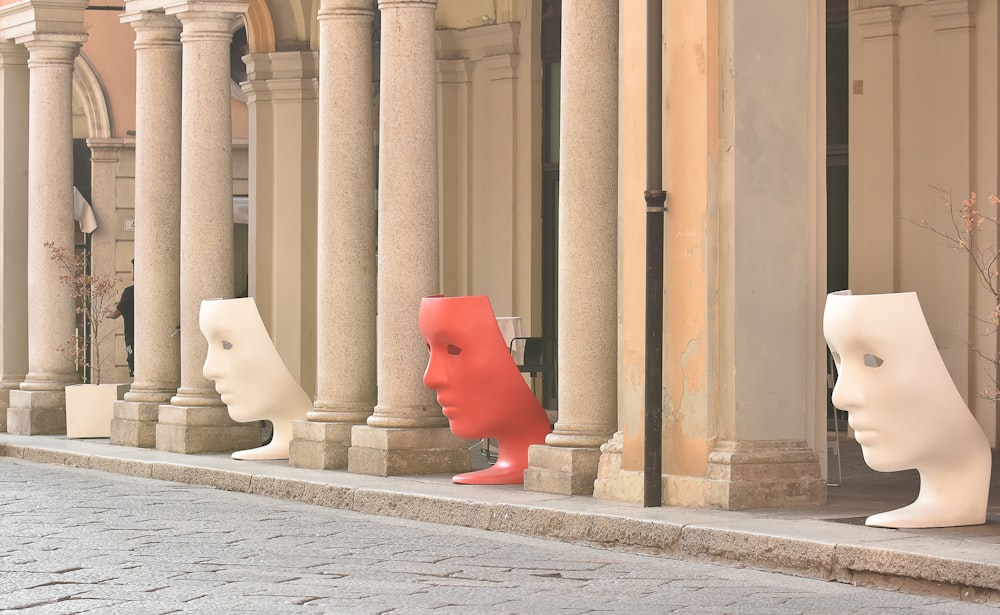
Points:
923	82
490	146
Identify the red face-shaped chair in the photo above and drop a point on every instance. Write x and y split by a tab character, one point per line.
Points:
479	387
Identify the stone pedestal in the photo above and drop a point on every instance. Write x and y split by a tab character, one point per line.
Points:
402	452
613	482
134	423
187	429
37	412
758	474
566	471
319	445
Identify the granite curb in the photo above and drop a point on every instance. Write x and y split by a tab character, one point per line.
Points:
785	541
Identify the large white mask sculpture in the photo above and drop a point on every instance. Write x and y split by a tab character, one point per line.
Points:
905	410
249	374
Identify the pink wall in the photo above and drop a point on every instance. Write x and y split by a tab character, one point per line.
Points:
109	48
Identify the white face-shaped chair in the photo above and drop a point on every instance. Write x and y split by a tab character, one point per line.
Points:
905	410
249	374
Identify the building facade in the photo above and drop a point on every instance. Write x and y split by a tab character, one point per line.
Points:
397	149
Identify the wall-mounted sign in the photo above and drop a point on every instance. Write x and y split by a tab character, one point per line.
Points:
130	224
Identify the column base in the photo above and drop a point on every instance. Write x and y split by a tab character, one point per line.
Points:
614	483
380	451
5	389
134	424
763	474
203	429
37	412
562	470
319	446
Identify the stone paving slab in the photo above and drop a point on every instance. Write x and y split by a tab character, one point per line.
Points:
958	563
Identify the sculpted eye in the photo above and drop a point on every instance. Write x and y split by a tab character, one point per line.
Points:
454	350
873	360
226	345
836	357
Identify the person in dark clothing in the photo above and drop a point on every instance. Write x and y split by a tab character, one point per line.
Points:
126	310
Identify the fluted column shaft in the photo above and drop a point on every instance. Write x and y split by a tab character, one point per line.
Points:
39	406
588	249
157	227
346	272
407	432
13	221
196	420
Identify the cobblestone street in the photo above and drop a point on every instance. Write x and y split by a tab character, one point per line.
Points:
81	541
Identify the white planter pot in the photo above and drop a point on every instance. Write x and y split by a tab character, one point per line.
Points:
90	408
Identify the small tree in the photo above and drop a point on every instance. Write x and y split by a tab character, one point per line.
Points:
963	234
95	295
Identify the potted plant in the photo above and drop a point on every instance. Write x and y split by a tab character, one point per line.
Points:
963	234
89	406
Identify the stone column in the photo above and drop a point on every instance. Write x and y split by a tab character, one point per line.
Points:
13	221
196	420
346	280
407	434
39	407
157	228
281	96
588	250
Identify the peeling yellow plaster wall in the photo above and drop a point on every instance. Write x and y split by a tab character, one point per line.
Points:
632	261
689	144
690	152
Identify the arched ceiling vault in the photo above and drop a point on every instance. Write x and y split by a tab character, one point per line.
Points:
289	24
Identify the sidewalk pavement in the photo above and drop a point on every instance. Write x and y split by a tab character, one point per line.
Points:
828	542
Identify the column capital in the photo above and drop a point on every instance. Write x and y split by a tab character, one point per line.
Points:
207	19
20	20
502	67
153	29
108	150
951	14
281	75
346	8
878	22
454	71
52	49
206	7
407	4
12	54
282	65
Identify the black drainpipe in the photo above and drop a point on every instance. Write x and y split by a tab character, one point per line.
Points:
655	199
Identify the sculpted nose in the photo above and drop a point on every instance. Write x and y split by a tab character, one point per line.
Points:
210	369
846	395
434	375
